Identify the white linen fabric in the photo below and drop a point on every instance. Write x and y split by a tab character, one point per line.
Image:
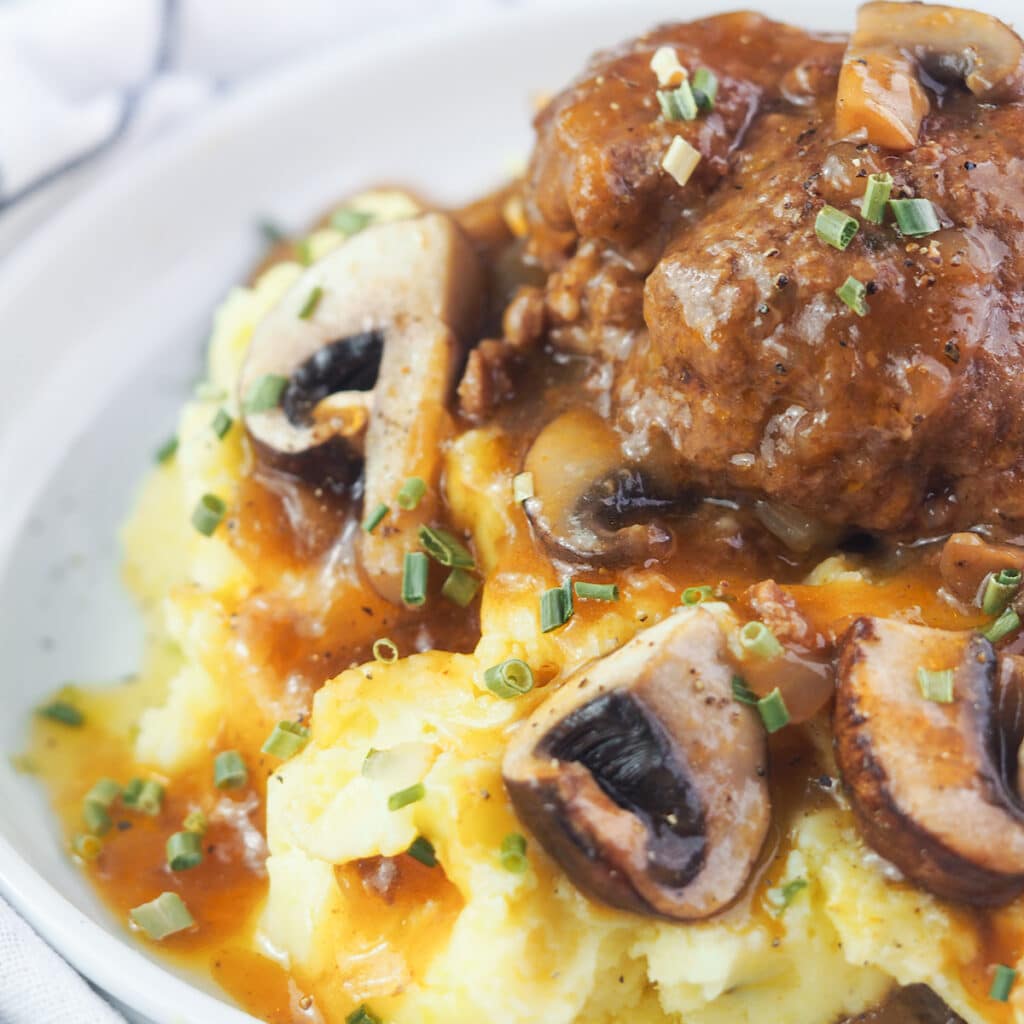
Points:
83	83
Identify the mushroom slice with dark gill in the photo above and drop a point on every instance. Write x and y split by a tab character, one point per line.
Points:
929	782
896	44
391	288
643	777
589	505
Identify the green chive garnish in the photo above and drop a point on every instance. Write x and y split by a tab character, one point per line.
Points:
423	850
385	650
522	487
229	770
265	393
835	227
167	450
876	195
705	88
999	590
853	294
773	711
208	514
678	104
221	423
596	591
373	520
414	578
445	548
164	916
1007	623
511	678
349	221
97	818
513	853
411	493
742	692
555	608
63	712
104	793
460	587
304	251
781	897
915	217
312	301
195	821
1002	983
150	799
287	740
87	846
697	595
184	851
936	685
759	641
410	795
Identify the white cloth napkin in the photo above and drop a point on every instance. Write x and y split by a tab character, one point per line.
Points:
84	82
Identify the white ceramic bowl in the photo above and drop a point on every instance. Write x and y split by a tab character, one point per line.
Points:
103	316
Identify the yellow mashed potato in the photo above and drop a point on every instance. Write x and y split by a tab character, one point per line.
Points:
495	945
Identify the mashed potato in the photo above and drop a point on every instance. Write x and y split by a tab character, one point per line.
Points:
476	942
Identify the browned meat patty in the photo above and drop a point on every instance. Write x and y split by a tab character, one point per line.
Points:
748	376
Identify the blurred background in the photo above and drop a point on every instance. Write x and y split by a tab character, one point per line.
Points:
85	82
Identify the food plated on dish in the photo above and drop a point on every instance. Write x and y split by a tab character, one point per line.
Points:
601	601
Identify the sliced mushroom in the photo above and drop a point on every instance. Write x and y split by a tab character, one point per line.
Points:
880	90
381	293
644	778
590	506
967	560
925	779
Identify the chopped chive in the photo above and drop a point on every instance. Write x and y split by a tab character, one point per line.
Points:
87	846
915	217
522	487
759	641
361	1015
853	294
229	770
513	853
705	88
596	591
312	301
304	251
150	799
221	423
773	711
410	795
414	578
835	228
384	650
697	595
411	493
1002	983
184	851
511	678
195	821
349	221
999	590
556	608
63	712
876	195
678	104
373	520
460	587
445	548
130	793
373	757
781	896
97	818
265	393
104	793
208	514
287	740
167	450
423	850
164	916
1007	623
936	685
742	692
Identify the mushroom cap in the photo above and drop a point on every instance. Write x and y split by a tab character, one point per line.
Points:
643	777
925	778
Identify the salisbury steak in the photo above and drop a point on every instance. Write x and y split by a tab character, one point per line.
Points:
748	375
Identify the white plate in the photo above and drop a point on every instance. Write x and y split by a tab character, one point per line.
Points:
103	315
